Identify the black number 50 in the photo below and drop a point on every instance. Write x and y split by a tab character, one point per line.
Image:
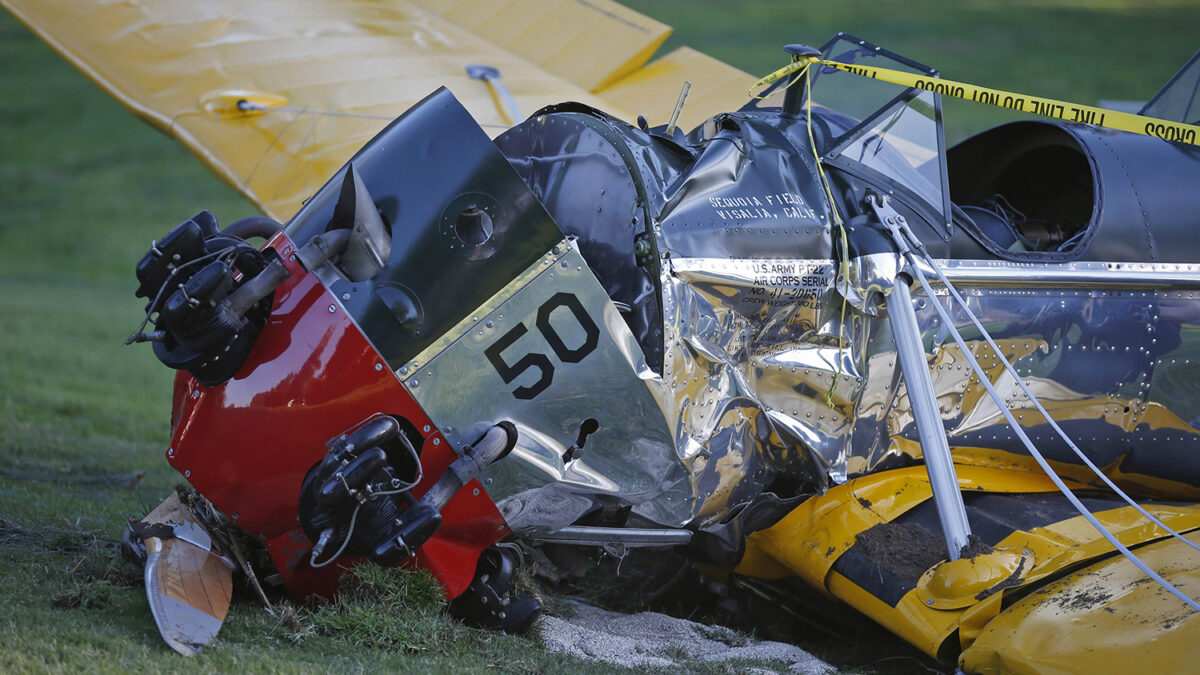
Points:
509	372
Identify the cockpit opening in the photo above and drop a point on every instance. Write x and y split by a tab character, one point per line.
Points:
1024	193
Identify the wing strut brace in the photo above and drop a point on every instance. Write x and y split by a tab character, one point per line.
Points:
946	487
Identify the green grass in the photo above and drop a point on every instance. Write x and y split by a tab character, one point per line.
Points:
85	187
1078	50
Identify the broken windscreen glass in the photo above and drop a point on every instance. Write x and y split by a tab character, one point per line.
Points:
897	135
1179	99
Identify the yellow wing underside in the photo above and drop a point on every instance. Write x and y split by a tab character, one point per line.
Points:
367	62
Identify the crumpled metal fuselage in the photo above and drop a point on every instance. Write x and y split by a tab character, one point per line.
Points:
767	373
681	340
680	295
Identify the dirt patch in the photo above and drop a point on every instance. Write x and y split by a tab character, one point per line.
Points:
904	549
144	530
974	547
1083	600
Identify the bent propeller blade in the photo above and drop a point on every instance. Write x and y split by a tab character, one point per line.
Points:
188	583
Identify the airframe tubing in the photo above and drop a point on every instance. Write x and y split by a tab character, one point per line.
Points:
934	445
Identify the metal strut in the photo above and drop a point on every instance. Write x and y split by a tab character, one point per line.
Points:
913	365
900	232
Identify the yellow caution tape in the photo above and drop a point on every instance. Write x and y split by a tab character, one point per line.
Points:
1048	107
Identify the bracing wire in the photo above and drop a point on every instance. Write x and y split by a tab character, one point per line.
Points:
1038	457
1038	405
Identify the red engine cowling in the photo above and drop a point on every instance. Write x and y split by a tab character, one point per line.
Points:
247	443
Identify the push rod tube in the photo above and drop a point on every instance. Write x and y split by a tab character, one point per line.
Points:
934	445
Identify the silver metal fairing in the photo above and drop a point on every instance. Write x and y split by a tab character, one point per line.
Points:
1100	357
868	280
751	352
768	372
629	459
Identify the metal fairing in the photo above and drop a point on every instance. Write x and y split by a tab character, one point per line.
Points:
423	172
751	192
578	361
248	443
756	343
848	542
1129	195
761	335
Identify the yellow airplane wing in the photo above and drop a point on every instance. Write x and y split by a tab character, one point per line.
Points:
275	96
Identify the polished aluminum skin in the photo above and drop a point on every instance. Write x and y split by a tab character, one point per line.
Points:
766	373
1112	365
546	483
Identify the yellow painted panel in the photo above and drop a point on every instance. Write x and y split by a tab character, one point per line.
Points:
652	91
1137	484
348	67
1107	618
366	61
924	628
589	43
808	541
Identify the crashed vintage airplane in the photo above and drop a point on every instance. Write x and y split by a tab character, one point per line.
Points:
952	388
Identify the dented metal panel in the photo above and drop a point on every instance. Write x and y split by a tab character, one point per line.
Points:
1107	363
551	353
1105	618
873	543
